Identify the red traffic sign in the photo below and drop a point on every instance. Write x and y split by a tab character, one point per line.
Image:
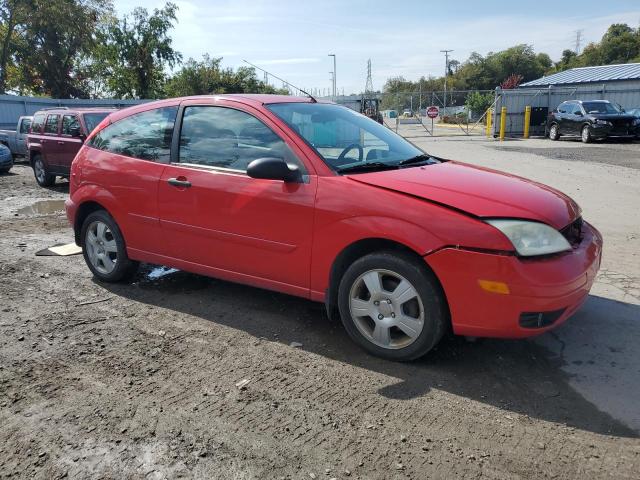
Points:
433	112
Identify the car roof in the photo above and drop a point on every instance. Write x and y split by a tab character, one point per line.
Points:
252	99
78	110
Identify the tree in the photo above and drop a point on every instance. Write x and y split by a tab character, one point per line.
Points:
13	14
136	52
478	103
57	33
208	76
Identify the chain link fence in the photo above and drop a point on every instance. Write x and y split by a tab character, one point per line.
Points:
457	112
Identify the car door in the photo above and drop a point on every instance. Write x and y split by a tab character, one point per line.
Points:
576	119
218	220
21	135
49	141
68	144
135	150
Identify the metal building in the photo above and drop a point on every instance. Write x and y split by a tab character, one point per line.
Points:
13	106
616	83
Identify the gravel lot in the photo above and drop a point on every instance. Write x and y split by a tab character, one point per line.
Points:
140	380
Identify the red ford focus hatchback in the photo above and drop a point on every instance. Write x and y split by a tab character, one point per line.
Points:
315	200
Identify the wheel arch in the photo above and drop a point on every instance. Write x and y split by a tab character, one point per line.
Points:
84	210
359	249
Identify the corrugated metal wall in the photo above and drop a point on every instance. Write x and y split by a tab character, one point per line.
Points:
625	93
12	106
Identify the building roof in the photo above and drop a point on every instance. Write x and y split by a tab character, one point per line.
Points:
598	74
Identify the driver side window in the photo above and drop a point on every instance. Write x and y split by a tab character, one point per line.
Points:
227	138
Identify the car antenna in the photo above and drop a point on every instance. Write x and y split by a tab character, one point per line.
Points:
313	100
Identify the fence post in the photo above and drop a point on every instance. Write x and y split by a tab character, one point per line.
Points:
489	119
527	120
503	122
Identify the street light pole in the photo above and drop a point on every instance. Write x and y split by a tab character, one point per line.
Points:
334	74
446	73
333	81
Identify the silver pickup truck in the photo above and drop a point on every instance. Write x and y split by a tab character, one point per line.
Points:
16	140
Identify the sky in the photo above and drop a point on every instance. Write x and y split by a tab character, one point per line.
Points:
292	39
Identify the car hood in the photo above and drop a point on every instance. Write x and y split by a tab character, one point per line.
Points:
478	191
612	116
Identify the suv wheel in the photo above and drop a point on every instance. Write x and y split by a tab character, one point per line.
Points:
553	132
586	134
104	249
392	306
43	177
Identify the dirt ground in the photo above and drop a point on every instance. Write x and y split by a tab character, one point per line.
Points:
140	380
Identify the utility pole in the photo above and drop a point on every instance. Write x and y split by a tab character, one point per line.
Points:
446	74
334	75
578	40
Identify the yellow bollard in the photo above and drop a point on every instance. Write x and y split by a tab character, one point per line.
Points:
488	129
527	120
503	122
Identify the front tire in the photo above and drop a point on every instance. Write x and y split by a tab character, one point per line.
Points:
554	133
392	306
43	177
104	249
585	135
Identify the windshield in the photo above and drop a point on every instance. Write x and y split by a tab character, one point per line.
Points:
345	139
92	120
599	107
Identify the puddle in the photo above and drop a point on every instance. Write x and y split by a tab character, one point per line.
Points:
160	272
44	207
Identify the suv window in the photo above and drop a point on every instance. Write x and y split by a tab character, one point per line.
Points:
228	138
69	123
146	135
51	125
24	126
91	120
575	109
36	123
564	107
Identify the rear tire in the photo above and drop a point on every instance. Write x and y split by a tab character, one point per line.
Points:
585	135
392	306
43	177
554	133
104	249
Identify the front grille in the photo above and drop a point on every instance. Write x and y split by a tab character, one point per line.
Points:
540	319
573	231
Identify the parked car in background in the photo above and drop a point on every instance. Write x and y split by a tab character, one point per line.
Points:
55	137
590	120
6	159
316	200
16	140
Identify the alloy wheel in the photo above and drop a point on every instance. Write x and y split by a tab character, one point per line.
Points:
101	246
386	308
39	169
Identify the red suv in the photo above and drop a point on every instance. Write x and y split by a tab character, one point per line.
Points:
55	137
315	200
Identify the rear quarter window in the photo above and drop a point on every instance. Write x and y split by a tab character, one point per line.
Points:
145	135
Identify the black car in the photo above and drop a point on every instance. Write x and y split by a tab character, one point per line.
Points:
591	119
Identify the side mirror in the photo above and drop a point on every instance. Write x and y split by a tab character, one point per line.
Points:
578	114
271	168
75	132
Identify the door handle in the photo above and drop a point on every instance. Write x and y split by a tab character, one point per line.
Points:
60	142
179	182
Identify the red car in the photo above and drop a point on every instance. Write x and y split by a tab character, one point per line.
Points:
315	200
55	136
